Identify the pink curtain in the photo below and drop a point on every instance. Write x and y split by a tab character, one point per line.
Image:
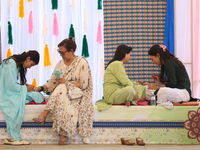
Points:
196	61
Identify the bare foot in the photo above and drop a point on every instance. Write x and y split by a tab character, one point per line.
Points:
141	99
62	140
136	97
127	103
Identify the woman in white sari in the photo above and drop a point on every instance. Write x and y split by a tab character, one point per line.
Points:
71	95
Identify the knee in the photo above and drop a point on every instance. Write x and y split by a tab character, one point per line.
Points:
162	91
130	90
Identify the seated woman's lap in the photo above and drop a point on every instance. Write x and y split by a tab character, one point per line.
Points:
173	94
123	95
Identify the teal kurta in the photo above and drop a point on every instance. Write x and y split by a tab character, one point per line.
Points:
13	97
12	100
115	78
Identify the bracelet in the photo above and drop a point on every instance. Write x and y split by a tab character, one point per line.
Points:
158	86
42	88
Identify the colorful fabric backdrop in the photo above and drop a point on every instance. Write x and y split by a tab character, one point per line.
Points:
41	25
139	24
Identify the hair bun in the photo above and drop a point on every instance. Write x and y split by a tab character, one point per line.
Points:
72	38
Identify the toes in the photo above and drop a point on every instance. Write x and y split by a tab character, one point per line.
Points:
127	103
38	120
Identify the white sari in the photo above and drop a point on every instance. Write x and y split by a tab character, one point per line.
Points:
69	104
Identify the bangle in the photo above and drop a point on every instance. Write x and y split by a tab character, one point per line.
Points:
42	88
158	86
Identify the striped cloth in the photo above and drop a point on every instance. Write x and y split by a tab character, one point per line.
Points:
136	23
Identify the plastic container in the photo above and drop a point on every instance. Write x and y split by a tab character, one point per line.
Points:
153	100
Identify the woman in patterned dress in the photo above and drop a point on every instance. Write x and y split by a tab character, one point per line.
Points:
71	95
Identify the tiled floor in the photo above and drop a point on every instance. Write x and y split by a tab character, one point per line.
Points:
100	147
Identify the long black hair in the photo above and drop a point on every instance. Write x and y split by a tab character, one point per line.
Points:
164	55
20	58
120	53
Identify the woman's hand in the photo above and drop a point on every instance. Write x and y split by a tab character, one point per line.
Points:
61	80
143	83
37	89
30	87
156	79
77	84
40	88
152	86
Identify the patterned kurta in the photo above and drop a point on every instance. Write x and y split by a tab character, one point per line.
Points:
69	104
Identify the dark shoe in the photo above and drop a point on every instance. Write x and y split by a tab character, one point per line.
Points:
127	141
140	141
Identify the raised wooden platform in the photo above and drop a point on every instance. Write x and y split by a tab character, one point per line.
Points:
156	125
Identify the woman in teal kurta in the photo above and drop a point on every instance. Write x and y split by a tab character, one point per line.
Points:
117	87
13	95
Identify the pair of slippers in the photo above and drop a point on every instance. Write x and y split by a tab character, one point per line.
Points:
130	141
16	143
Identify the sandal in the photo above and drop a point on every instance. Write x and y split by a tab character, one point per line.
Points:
64	141
25	142
11	142
39	118
86	140
140	141
127	141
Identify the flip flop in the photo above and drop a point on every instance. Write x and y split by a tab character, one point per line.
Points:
11	142
39	118
140	141
127	141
